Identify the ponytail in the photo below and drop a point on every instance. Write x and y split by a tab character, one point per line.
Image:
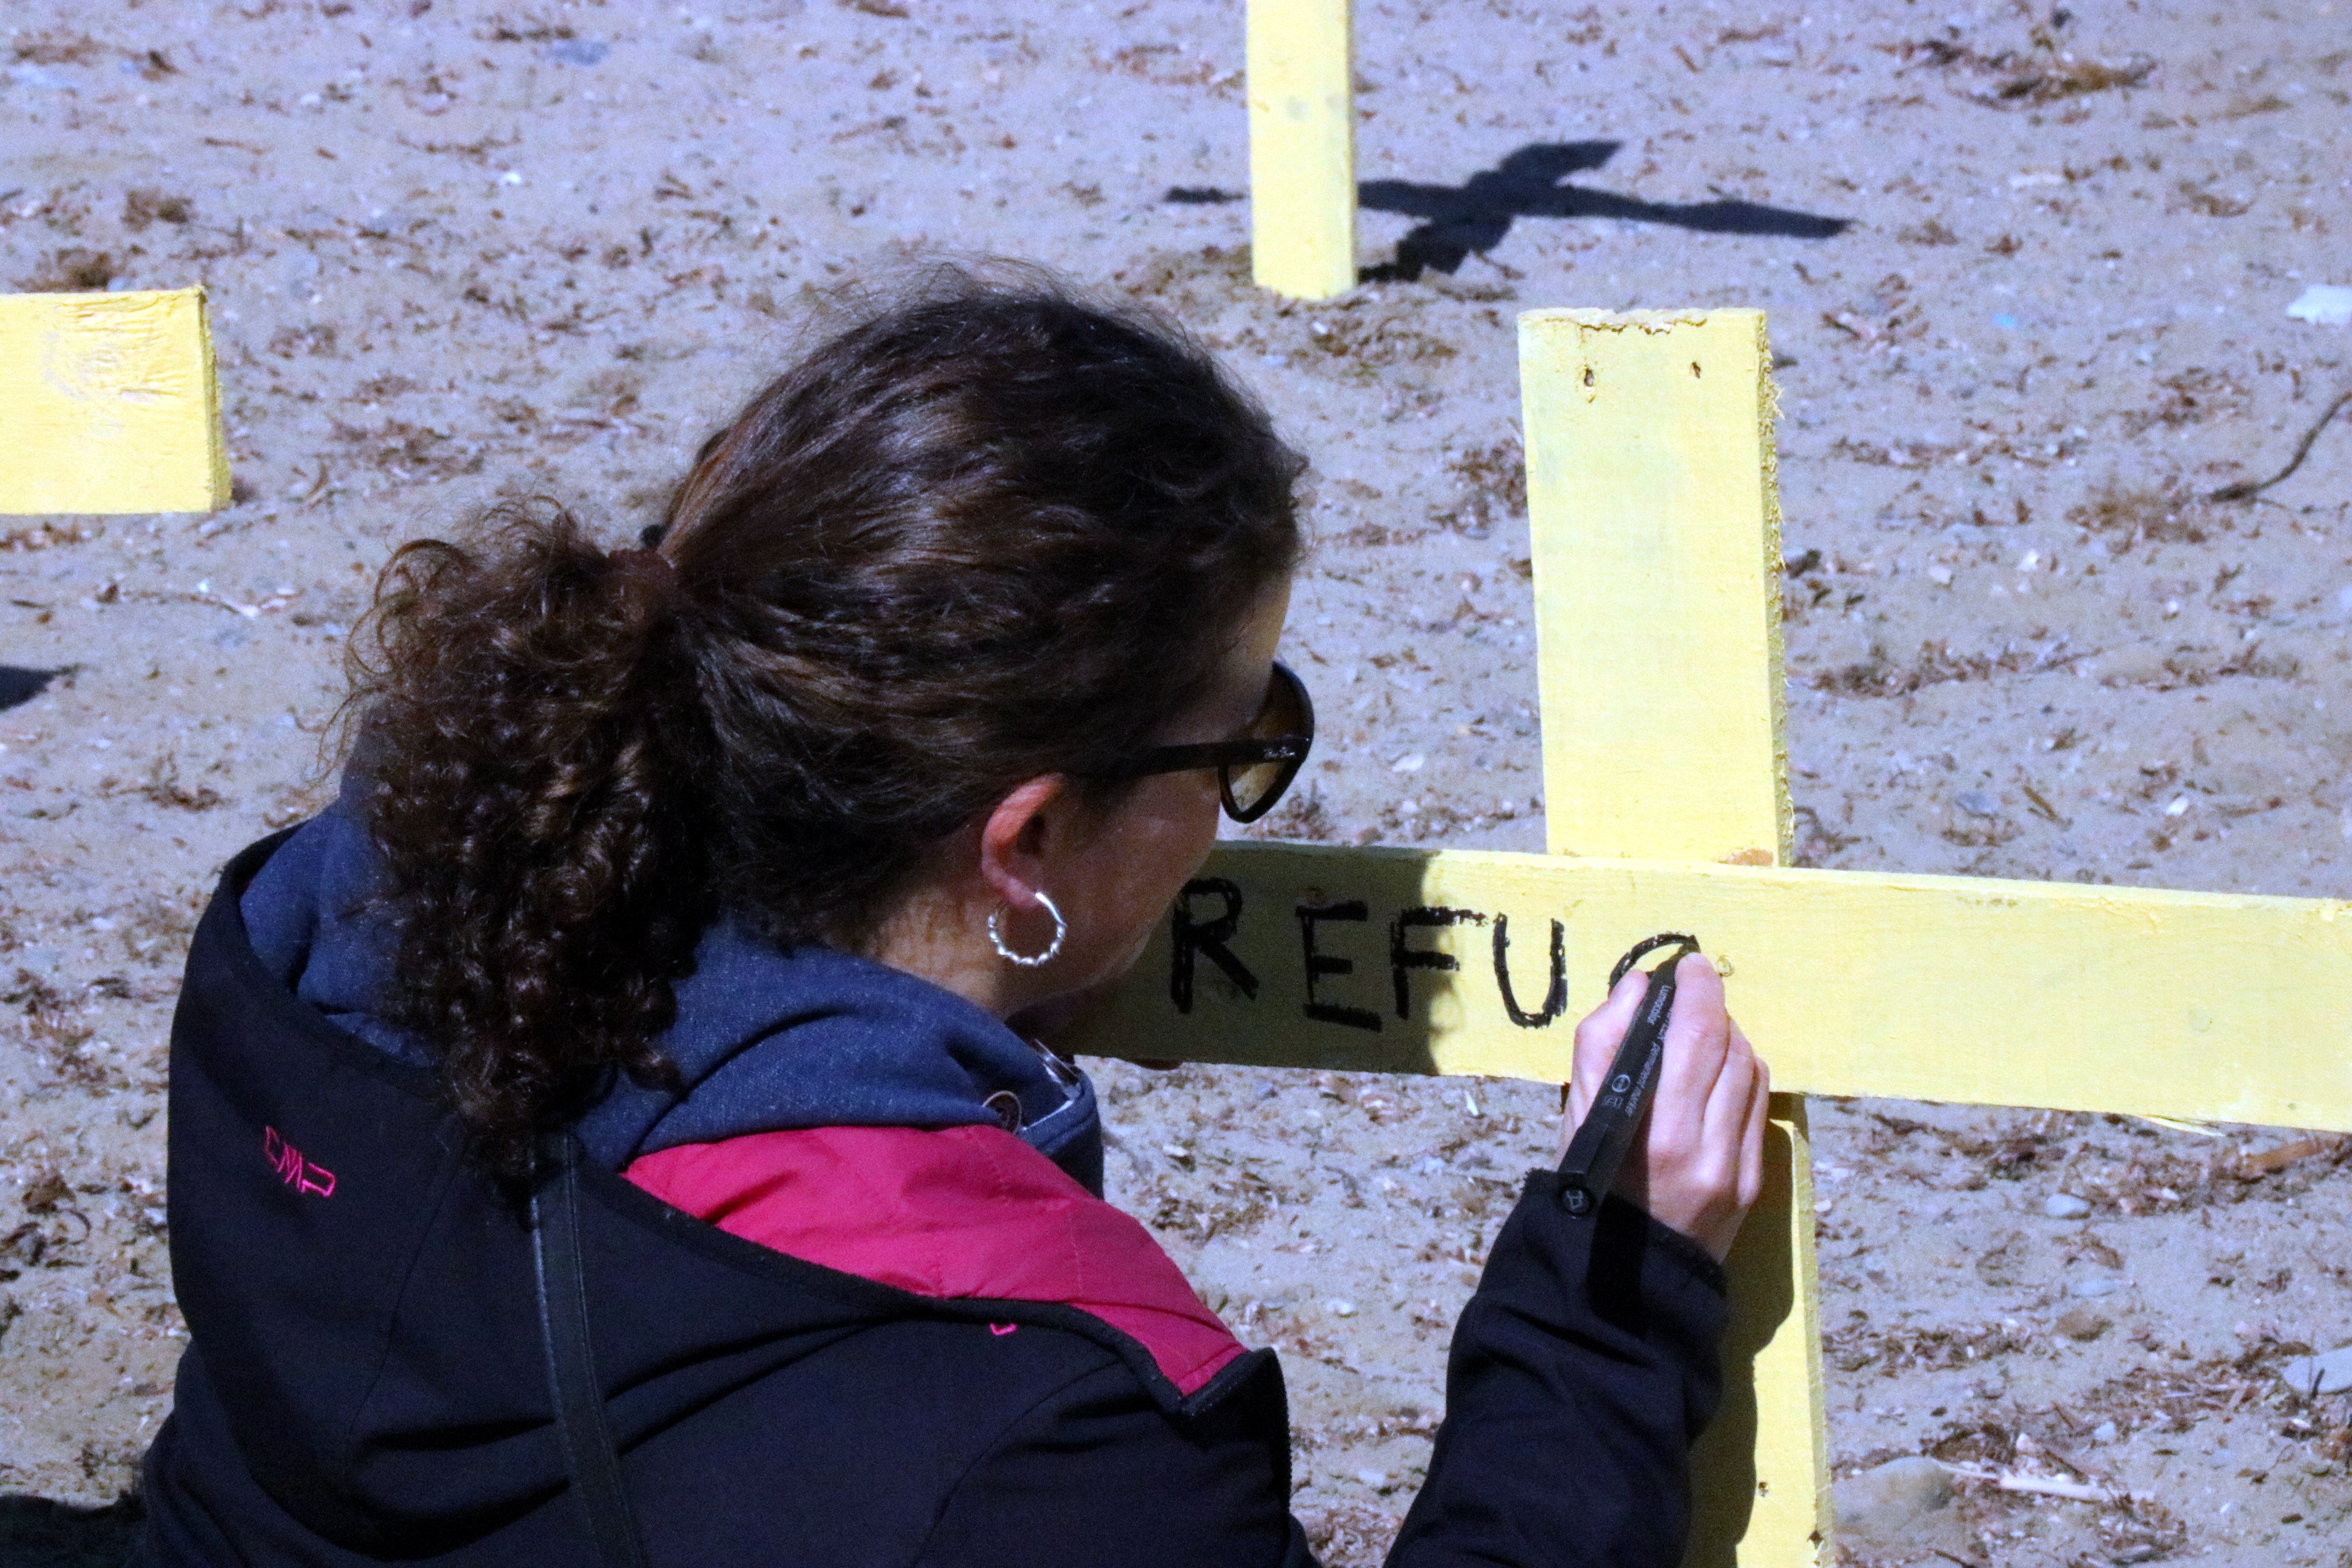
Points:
519	734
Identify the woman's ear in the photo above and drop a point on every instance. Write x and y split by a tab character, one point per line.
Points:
1020	837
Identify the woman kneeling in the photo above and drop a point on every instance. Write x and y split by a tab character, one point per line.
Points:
600	1137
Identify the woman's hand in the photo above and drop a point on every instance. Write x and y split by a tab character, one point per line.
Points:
1697	1162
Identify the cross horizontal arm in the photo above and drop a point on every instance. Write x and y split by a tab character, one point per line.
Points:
2220	1007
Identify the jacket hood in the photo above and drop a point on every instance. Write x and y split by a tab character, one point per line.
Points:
765	1041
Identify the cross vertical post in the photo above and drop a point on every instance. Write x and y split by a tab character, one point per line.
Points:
1302	122
108	404
1656	548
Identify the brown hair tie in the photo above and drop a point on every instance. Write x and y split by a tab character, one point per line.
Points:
651	565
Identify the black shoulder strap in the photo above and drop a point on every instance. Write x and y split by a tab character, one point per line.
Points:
571	1370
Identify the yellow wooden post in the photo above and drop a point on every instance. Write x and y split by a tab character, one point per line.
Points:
1656	532
108	404
1302	148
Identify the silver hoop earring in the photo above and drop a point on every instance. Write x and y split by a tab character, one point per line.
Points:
1030	960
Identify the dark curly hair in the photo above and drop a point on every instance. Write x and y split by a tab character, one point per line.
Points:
988	532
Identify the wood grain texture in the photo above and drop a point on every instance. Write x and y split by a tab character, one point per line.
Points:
2208	1006
1302	122
1650	493
108	404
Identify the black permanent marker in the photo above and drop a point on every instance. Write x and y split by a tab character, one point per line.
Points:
1589	1168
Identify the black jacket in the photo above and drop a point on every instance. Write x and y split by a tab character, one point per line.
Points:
365	1380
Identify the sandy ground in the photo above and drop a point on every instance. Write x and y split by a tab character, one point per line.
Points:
456	252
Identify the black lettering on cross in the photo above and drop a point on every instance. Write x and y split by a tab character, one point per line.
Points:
1554	996
1193	937
1402	958
1319	964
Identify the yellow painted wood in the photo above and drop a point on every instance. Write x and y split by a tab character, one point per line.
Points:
2208	1006
1650	493
108	404
1759	1476
1656	528
1302	148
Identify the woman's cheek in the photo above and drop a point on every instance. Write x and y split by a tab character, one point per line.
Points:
1177	828
1111	953
1127	961
1163	849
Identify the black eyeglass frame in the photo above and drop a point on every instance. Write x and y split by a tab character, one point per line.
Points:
1226	755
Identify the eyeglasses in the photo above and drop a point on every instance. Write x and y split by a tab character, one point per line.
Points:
1255	768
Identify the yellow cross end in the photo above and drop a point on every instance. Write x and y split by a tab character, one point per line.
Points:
1302	122
108	404
1657	561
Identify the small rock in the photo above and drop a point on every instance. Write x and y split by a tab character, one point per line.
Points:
2064	1206
1376	1479
2104	1432
579	51
298	273
2083	1323
1340	1309
38	960
2092	1286
2323	305
1977	803
2329	1373
1903	1504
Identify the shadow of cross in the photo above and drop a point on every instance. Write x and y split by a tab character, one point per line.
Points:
1471	218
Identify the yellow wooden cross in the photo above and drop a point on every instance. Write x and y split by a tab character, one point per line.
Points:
1656	528
108	404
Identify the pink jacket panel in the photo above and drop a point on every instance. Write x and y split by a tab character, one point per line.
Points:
948	1213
